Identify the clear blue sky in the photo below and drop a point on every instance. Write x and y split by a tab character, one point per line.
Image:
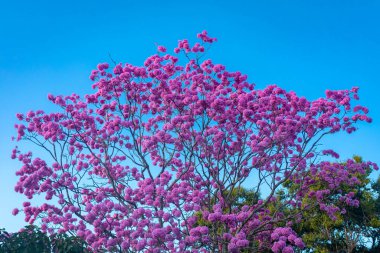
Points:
305	46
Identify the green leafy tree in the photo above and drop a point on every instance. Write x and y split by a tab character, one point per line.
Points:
354	229
32	240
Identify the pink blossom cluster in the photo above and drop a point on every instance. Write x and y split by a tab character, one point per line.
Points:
283	240
148	162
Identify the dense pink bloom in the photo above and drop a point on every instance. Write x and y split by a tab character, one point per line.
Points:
136	164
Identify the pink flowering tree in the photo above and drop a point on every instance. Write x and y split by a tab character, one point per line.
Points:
134	166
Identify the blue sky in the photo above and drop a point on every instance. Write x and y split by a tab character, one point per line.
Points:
304	46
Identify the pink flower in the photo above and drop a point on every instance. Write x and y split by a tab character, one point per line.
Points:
102	66
288	249
15	211
161	49
299	243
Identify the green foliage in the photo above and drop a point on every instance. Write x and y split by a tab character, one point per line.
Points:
70	244
32	240
355	230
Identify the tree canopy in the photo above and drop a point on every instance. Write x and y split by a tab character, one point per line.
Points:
158	148
32	240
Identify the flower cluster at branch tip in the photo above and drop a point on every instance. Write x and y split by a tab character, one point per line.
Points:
284	239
